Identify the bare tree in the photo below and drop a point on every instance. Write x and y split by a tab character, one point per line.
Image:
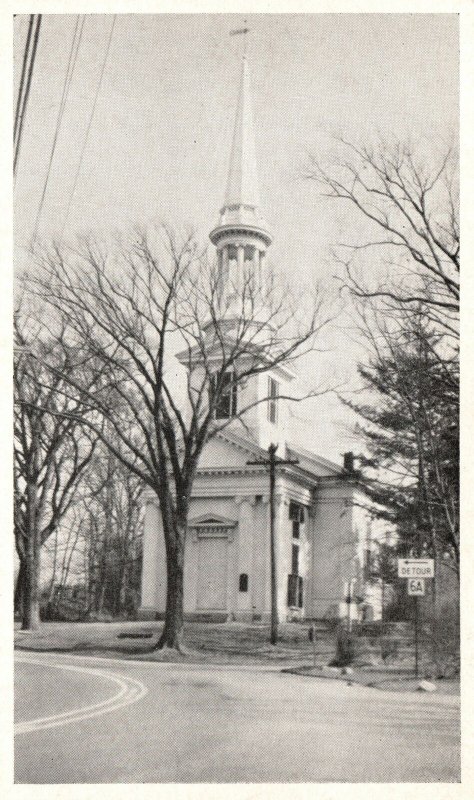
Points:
96	551
51	449
113	521
133	308
409	201
409	321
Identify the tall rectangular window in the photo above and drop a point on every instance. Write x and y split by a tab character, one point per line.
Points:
226	403
296	514
272	409
295	553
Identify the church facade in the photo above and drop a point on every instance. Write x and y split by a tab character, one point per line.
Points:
325	537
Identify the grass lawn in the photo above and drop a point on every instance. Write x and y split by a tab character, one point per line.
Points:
230	643
217	643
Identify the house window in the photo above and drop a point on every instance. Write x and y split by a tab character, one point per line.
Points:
295	591
296	515
272	400
295	553
368	565
226	404
295	581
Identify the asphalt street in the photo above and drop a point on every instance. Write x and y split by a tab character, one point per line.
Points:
84	720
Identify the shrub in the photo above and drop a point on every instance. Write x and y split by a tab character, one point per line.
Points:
345	648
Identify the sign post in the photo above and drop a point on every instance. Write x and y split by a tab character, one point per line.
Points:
415	571
416	636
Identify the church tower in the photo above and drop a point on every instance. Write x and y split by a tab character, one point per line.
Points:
241	239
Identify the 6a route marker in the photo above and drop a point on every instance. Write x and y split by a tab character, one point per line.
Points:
416	586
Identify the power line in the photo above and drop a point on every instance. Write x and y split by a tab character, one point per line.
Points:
23	75
75	44
22	112
99	84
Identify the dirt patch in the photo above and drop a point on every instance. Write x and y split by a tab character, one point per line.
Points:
391	680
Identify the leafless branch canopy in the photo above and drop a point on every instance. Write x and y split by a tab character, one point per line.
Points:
409	201
131	309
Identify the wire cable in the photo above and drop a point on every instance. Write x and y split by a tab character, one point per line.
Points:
23	75
76	177
27	93
75	44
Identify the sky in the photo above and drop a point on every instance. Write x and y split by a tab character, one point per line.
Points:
159	140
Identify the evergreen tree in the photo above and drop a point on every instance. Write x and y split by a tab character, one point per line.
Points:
410	425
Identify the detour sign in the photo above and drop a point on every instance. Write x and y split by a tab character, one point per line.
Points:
416	568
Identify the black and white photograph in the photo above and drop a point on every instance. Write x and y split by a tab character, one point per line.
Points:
235	306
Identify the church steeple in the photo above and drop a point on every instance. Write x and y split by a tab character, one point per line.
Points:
241	238
242	182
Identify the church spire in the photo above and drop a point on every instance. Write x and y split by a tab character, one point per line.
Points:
242	184
241	209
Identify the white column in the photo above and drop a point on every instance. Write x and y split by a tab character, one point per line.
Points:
310	589
283	548
263	272
153	588
225	273
260	557
281	556
240	268
245	545
256	270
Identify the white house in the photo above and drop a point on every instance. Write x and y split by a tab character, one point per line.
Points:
323	532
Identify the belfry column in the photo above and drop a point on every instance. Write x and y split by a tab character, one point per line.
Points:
240	268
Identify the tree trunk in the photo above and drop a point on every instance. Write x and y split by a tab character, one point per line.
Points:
31	583
172	635
31	590
19	588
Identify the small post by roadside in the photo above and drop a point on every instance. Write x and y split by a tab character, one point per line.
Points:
312	639
416	571
416	636
349	603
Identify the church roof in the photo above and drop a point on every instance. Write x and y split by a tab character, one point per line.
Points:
311	466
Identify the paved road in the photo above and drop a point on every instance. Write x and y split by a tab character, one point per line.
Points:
82	720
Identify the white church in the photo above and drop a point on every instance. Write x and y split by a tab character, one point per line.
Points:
325	537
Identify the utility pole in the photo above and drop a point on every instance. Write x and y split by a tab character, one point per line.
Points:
272	463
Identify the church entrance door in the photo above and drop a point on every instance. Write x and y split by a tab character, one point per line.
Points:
212	574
